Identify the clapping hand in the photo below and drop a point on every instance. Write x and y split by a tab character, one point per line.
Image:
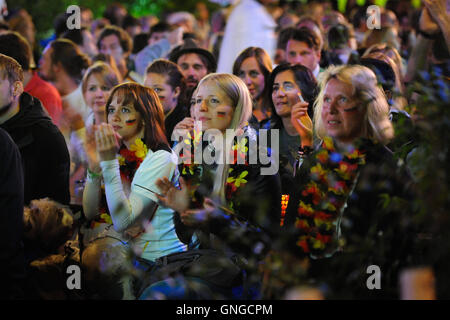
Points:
185	124
171	197
107	142
196	217
91	149
178	200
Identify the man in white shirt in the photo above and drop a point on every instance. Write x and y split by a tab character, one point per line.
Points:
249	24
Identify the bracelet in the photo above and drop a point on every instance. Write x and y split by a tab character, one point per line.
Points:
304	151
93	175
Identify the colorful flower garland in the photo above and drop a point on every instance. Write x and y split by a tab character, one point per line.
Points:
237	173
333	176
131	159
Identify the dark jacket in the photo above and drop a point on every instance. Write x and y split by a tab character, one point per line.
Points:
376	229
177	115
45	157
12	263
256	202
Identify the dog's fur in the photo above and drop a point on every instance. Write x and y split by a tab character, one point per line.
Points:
47	224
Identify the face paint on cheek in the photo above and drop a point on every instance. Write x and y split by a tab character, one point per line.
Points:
221	114
130	122
351	110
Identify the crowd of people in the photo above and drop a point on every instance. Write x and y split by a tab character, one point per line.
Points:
246	154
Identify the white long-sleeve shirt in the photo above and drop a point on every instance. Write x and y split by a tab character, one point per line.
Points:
159	238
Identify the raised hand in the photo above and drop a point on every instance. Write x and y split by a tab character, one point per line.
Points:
427	23
175	37
107	141
91	149
185	124
196	217
437	9
171	197
301	121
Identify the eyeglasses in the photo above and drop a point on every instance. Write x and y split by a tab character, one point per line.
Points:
287	87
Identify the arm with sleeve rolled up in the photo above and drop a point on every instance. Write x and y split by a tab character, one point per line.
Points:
149	53
418	60
437	9
158	50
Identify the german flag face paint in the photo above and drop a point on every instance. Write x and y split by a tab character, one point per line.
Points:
221	114
130	122
125	119
213	107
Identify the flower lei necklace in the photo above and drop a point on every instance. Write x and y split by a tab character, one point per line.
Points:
129	161
333	176
193	172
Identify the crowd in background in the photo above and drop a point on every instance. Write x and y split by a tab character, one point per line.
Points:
99	130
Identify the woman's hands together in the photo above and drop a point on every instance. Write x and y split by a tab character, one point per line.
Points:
107	142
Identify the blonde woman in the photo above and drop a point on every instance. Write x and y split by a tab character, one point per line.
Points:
344	179
223	208
96	86
391	56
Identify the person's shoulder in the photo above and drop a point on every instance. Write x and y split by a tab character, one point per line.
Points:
6	142
162	147
159	155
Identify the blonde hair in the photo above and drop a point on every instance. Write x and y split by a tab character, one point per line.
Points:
241	99
392	53
362	80
102	71
398	92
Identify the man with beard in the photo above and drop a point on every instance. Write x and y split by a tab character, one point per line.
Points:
195	63
45	159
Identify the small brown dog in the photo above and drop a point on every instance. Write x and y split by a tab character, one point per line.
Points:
48	228
48	224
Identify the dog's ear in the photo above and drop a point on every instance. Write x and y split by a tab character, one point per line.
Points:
65	218
26	220
31	222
